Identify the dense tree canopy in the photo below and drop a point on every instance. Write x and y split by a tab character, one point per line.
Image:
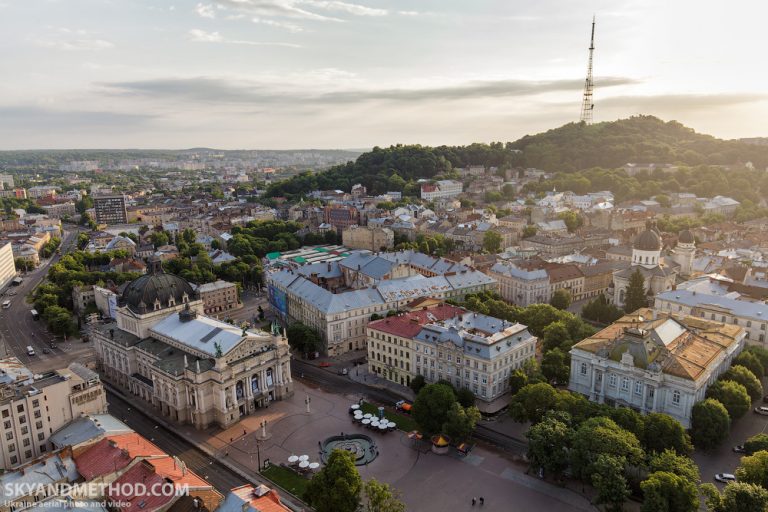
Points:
732	395
664	490
430	409
746	378
336	487
709	424
602	436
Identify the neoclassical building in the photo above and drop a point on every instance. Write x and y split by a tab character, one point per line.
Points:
653	361
659	275
191	368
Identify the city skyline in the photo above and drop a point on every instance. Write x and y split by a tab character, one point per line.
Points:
285	74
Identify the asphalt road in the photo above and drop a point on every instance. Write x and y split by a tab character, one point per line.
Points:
221	477
343	385
18	329
723	459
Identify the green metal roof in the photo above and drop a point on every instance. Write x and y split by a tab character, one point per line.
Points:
273	255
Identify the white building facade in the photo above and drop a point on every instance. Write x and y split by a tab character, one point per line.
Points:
652	362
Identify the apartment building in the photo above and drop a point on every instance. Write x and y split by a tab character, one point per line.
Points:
110	209
218	297
337	298
521	286
441	189
444	342
32	407
368	238
7	264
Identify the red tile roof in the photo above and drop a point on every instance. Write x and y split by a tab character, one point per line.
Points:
101	459
136	445
409	324
123	490
269	502
176	471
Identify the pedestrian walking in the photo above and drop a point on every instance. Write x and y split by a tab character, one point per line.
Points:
474	500
482	501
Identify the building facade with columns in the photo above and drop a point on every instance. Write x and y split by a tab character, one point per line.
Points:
653	361
191	368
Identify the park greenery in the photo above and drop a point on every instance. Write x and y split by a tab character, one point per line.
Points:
621	452
53	298
600	310
338	487
437	410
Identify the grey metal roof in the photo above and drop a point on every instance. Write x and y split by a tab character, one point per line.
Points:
480	335
86	428
200	333
15	484
754	310
519	273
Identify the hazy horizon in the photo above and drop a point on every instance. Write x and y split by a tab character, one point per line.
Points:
302	74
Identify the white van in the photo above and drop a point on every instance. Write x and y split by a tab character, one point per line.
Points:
30	350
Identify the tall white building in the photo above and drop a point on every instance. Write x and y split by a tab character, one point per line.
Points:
654	361
7	264
32	407
440	189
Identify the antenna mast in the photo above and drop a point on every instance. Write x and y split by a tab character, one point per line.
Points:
587	104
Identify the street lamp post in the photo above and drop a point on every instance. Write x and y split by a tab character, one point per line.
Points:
258	455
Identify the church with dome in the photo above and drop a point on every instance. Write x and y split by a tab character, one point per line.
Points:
659	273
191	368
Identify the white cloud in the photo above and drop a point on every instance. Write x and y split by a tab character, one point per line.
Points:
205	10
201	36
335	5
75	44
299	9
291	27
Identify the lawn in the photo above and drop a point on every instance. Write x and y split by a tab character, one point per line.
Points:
404	421
287	479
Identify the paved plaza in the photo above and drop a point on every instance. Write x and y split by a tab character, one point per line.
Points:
428	482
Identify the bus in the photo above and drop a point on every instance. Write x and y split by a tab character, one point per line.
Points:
35	314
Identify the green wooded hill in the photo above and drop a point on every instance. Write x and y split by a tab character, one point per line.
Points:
569	148
639	139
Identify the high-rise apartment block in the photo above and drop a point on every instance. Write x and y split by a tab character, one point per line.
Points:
110	209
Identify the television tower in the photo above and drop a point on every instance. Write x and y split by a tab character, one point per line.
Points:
587	104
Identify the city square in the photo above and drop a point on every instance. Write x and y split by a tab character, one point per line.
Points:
428	482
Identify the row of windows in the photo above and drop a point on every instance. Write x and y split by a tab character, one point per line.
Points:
639	386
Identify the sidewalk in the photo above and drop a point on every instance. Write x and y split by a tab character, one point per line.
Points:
198	439
361	375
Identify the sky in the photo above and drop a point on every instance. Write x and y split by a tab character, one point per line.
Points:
287	74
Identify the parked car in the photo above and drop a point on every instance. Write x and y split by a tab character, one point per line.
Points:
46	350
762	410
739	449
725	477
765	399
